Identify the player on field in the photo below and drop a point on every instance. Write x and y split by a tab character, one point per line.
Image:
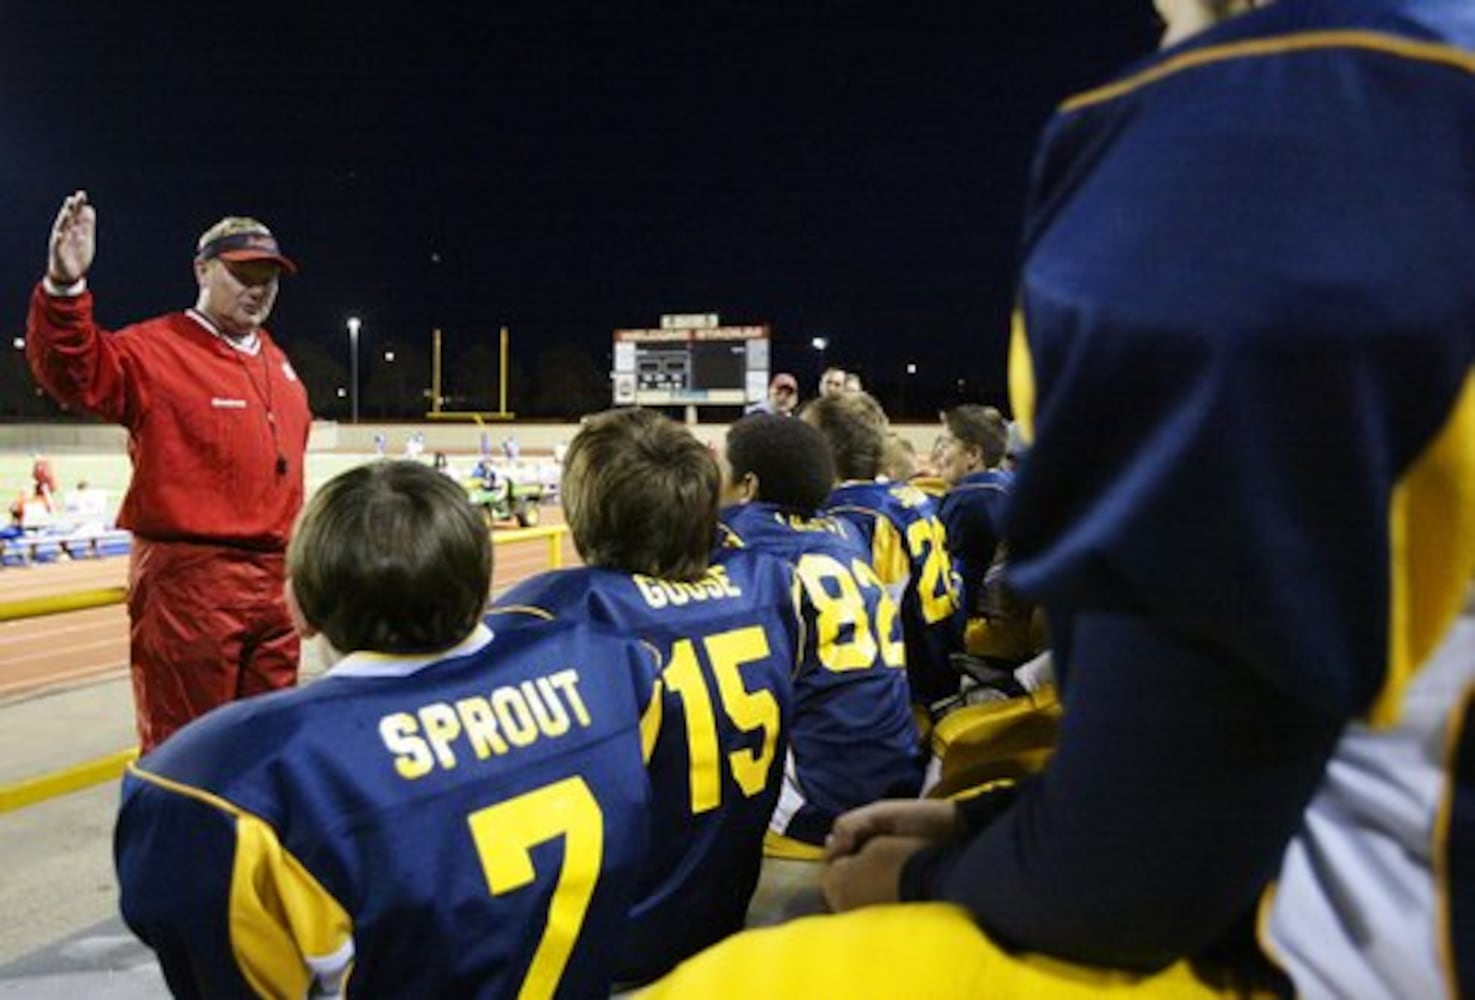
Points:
907	541
853	740
640	494
1258	572
450	811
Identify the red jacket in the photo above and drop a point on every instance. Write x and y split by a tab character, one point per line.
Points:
207	424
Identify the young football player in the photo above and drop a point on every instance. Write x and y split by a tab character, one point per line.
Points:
640	494
1000	627
908	544
449	811
853	738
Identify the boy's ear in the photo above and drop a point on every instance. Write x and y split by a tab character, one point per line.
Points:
749	487
299	620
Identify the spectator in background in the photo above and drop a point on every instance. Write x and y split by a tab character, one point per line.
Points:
34	509
831	382
783	396
640	495
381	831
907	542
85	508
853	383
492	482
511	449
86	501
415	445
44	478
1258	572
441	462
218	425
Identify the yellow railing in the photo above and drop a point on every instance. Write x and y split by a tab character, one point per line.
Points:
30	791
553	532
34	607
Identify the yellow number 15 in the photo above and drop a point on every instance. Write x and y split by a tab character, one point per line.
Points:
747	710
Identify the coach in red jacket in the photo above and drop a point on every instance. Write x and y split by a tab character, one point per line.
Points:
217	429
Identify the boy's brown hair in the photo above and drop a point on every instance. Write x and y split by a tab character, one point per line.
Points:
391	557
981	427
856	428
640	495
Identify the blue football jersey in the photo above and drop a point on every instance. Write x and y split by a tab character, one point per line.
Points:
465	824
729	644
908	545
1246	342
854	739
972	513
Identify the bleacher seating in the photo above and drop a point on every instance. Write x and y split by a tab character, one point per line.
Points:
31	547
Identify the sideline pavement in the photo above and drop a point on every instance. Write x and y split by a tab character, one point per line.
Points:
60	934
58	893
103	961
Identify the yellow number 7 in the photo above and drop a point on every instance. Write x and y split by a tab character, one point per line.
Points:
505	835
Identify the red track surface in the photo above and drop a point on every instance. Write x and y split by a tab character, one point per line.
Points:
38	653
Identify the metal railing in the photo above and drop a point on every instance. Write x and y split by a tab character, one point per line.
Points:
35	607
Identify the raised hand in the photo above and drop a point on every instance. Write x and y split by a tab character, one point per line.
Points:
73	240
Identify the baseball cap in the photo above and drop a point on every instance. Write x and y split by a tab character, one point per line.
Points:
784	379
239	238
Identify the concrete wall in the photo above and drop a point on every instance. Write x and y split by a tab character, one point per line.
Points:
104	438
533	438
448	436
62	437
327	435
454	437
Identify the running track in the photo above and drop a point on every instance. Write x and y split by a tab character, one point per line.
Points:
53	650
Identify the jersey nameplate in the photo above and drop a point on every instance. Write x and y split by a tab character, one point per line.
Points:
713	586
509	718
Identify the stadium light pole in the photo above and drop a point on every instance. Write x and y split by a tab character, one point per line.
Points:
353	366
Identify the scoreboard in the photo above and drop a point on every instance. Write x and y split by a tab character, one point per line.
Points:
691	360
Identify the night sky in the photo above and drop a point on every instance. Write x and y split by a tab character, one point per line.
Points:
849	170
